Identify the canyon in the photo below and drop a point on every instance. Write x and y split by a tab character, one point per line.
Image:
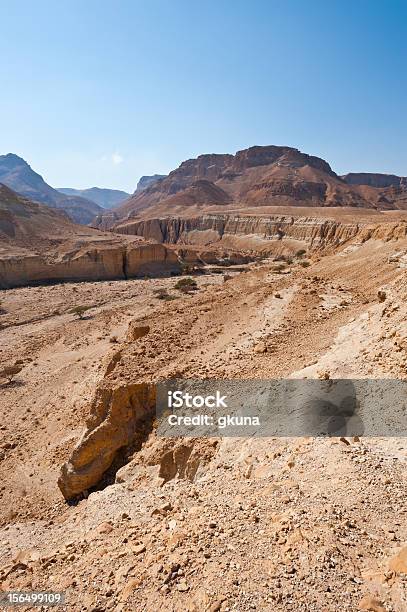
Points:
38	245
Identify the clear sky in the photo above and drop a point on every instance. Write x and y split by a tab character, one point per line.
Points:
96	92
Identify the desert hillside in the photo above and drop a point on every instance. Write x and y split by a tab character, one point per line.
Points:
205	524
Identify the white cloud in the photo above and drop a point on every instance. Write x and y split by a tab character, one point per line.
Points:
117	158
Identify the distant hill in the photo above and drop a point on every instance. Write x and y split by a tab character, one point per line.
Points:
147	181
385	189
375	179
107	198
16	173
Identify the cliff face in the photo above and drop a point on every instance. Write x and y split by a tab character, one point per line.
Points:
257	231
89	264
146	181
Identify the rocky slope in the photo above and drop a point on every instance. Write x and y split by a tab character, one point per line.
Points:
106	198
40	244
23	222
254	177
19	176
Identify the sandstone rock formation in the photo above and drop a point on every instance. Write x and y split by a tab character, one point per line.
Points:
91	262
114	418
257	231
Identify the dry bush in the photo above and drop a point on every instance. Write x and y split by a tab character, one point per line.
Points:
279	267
10	371
79	311
186	285
162	294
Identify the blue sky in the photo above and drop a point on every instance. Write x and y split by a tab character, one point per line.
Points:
98	93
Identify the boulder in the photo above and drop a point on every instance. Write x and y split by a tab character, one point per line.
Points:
137	331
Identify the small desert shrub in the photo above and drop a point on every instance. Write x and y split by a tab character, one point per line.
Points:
10	371
287	258
300	253
186	285
162	294
79	311
279	267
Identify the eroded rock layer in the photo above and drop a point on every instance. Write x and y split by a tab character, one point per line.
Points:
208	229
88	264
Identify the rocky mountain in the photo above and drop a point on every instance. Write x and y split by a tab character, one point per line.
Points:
386	190
254	177
16	173
375	180
107	198
147	181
